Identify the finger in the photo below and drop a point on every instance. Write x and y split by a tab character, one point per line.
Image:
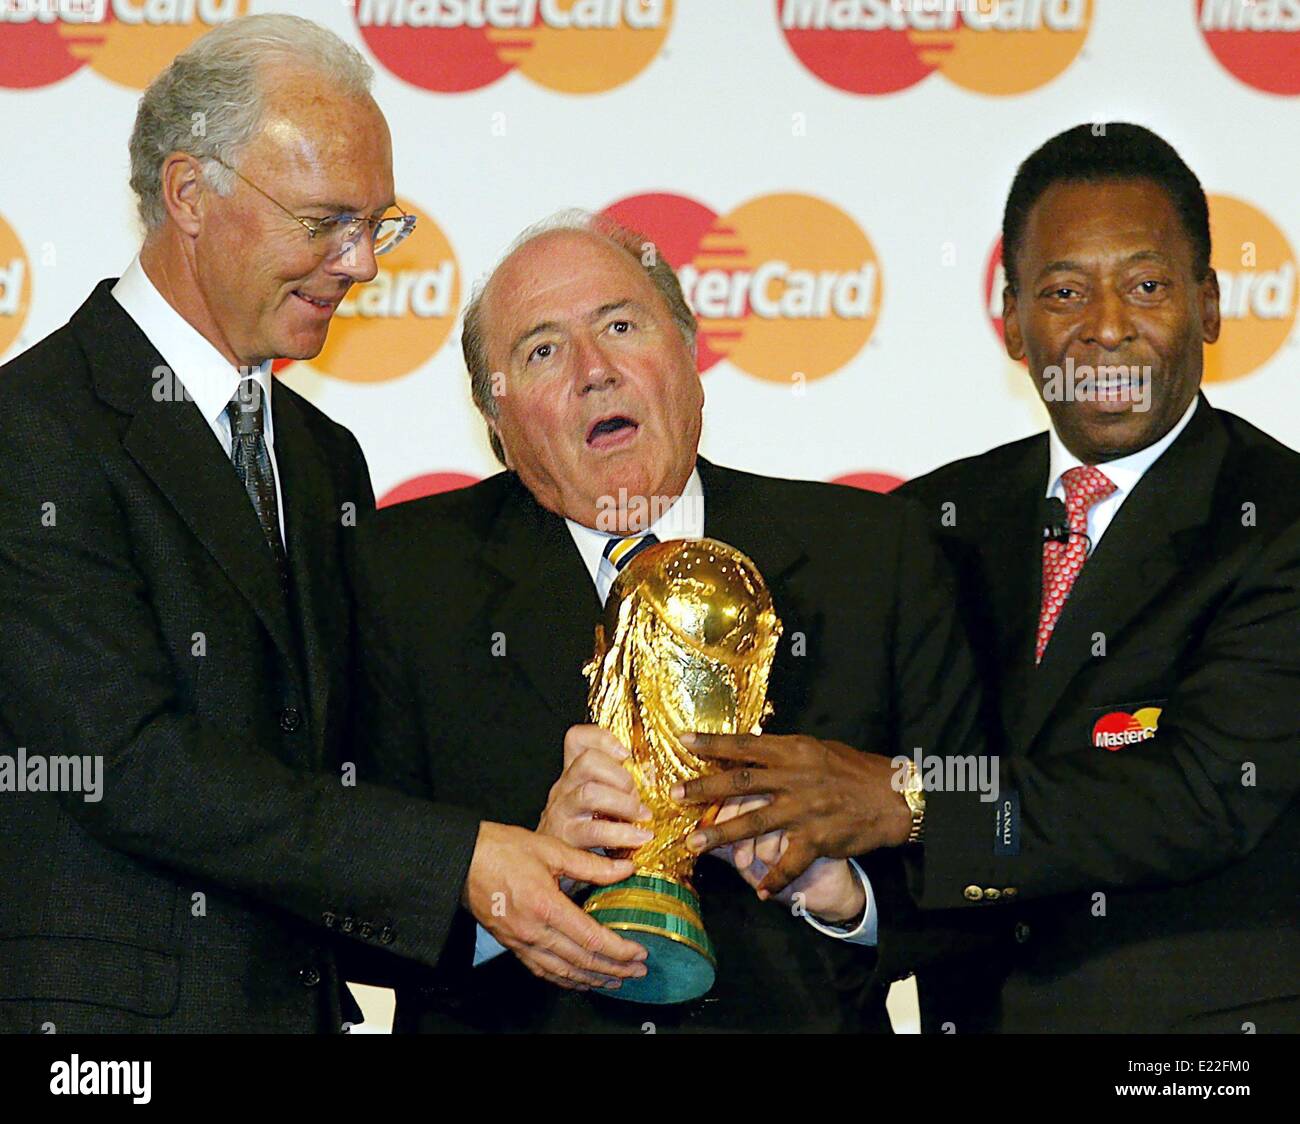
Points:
609	834
725	854
580	939
579	960
597	765
744	853
593	796
754	873
797	858
769	847
738	747
541	962
770	817
578	739
583	866
744	781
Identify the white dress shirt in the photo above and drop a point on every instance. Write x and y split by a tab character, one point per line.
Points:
1123	472
201	370
684	520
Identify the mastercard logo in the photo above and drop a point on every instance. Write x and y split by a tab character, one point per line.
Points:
1256	267
571	46
1257	284
985	46
15	286
1256	41
1119	728
428	484
126	41
394	324
869	481
784	285
995	280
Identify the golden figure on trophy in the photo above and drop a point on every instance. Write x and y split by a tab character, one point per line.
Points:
685	645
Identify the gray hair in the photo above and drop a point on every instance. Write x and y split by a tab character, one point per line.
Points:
209	101
473	343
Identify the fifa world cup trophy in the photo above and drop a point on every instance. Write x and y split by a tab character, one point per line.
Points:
685	644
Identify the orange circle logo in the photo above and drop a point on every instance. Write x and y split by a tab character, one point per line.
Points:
1256	41
1257	284
15	286
571	46
784	286
985	46
126	41
397	322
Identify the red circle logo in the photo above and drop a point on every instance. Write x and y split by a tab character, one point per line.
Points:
429	484
1256	41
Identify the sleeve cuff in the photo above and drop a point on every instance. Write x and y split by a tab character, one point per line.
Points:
487	947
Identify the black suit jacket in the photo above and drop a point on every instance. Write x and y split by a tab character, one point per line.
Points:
477	616
142	620
1156	886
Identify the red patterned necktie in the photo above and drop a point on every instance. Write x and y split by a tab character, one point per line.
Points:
1062	561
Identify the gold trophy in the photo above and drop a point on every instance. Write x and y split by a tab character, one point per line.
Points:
685	644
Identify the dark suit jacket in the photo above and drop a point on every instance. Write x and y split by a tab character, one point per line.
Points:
142	620
1156	885
477	616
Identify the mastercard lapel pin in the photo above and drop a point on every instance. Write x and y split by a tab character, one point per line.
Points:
1120	728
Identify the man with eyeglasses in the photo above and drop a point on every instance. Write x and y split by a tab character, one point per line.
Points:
186	848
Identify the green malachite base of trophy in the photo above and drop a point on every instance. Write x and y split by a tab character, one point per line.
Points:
665	917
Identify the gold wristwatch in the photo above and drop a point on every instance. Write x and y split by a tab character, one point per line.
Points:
914	794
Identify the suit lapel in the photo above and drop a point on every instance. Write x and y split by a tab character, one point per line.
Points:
175	448
1013	561
548	612
311	529
1152	537
731	515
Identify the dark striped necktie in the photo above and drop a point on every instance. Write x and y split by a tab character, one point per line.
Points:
618	553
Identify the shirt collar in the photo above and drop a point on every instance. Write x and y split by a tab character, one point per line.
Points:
197	365
1123	472
684	520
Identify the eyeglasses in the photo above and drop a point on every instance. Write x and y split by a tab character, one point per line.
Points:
337	234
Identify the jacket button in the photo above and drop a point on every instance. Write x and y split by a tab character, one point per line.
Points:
972	893
309	976
1021	932
992	893
387	935
328	918
347	925
1009	892
290	719
366	931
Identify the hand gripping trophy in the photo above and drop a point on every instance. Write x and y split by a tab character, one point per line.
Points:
685	644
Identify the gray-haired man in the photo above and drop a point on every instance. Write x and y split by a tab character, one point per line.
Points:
173	532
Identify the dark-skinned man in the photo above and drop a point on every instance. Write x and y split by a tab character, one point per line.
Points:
1142	636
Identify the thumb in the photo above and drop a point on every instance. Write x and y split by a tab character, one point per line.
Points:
586	867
